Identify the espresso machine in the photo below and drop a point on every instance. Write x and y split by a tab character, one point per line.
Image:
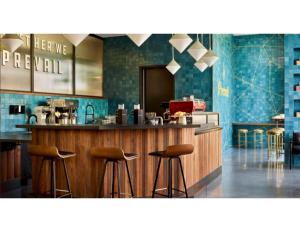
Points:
62	111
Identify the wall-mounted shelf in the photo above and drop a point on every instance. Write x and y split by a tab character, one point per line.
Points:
296	56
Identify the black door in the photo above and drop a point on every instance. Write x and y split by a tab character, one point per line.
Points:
157	86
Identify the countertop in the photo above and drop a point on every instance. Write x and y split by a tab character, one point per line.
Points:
256	124
106	127
18	137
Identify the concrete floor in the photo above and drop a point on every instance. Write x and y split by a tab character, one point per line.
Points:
246	173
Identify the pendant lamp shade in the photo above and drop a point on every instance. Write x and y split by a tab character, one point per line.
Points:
180	42
139	39
11	42
201	65
210	58
197	50
173	66
75	39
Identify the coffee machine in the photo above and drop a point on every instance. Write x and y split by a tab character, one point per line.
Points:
62	111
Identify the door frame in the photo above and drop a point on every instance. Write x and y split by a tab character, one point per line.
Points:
142	81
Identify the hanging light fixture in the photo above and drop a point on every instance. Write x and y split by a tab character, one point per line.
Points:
180	42
173	66
210	57
139	39
197	50
75	39
201	65
11	42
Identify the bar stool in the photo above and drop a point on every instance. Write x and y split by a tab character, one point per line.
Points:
113	155
281	136
259	132
275	140
242	132
172	152
51	153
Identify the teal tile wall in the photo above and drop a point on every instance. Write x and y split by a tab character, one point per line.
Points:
223	74
258	77
8	122
258	84
252	68
292	77
122	59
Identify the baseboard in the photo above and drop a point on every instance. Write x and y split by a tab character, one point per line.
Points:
204	181
10	185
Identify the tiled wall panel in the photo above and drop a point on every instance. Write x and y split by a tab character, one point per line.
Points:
122	59
8	122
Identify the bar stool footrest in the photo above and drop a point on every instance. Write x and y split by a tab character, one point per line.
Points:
165	188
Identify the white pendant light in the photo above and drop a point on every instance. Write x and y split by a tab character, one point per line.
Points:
201	65
173	66
180	42
197	50
139	39
210	57
75	39
11	42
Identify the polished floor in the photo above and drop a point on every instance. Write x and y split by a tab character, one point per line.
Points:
246	173
249	173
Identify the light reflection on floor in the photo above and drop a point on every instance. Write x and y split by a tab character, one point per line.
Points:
250	173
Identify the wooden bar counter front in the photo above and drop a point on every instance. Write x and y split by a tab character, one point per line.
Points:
85	172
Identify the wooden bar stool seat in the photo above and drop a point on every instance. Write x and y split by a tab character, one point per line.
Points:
172	152
113	155
52	154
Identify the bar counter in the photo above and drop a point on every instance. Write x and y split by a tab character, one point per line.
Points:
199	167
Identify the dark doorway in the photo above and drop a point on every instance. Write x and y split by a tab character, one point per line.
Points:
157	85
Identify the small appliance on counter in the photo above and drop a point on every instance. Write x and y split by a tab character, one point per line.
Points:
138	115
40	112
153	120
57	111
63	111
166	114
185	111
121	115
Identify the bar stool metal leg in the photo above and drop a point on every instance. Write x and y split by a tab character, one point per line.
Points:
129	179
38	177
183	178
67	177
53	178
156	177
102	179
118	176
113	180
170	179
